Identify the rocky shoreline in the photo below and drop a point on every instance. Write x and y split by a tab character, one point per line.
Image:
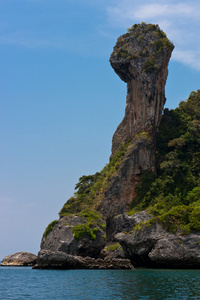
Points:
60	260
147	245
137	242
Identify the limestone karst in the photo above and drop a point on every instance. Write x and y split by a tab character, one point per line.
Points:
94	222
140	58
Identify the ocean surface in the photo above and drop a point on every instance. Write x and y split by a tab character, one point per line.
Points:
24	283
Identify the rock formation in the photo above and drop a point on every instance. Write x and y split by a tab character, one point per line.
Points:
121	193
97	228
62	237
19	259
140	58
152	246
61	260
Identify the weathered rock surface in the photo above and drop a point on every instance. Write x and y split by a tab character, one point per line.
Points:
60	260
107	254
121	191
19	259
152	246
124	223
140	58
61	238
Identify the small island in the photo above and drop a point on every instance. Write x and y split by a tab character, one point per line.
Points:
143	208
19	259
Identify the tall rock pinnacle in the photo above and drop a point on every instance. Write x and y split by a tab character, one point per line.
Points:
140	58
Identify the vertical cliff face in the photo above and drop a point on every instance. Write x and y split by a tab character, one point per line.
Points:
140	58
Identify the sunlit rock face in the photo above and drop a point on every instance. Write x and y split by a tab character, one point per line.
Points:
140	58
19	259
120	193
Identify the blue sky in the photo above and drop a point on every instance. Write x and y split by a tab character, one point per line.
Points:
60	101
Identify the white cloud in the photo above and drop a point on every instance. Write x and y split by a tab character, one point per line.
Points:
188	57
150	11
180	20
129	11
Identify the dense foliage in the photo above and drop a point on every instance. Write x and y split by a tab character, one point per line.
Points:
173	196
85	230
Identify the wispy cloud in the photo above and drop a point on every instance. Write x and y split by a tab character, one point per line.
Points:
129	10
163	10
188	56
81	45
27	42
180	20
30	40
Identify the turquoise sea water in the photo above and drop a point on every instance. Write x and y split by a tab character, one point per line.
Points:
24	283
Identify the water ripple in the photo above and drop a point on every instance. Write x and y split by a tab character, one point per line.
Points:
25	283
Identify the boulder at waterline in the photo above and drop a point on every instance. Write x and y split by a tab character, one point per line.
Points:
20	259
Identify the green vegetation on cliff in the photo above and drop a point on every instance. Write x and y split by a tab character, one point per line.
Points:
83	230
173	196
50	227
113	247
94	221
90	189
89	193
137	38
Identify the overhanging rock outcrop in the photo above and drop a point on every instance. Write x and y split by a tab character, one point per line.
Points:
140	58
152	246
